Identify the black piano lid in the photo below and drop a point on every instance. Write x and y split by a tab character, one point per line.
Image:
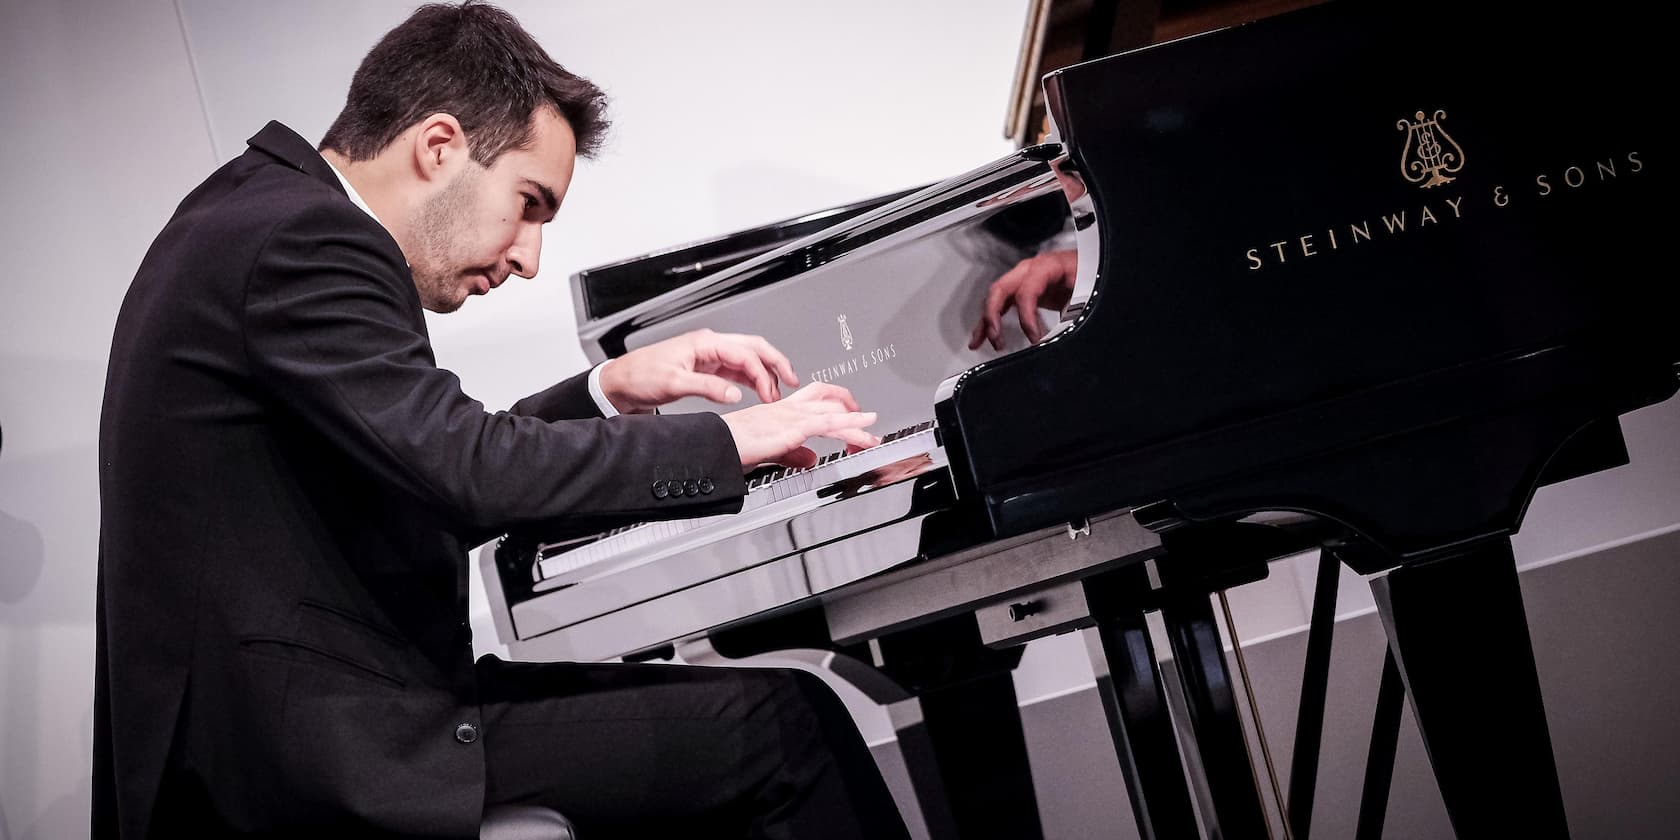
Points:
603	290
839	236
1258	308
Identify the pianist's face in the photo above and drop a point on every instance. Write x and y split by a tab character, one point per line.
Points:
485	223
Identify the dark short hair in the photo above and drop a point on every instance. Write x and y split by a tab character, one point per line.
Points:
474	62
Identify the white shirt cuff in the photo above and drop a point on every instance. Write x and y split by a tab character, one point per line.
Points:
601	401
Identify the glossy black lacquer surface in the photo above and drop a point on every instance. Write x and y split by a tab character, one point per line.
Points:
604	290
1301	303
658	289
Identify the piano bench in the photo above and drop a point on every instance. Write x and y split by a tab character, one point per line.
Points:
524	822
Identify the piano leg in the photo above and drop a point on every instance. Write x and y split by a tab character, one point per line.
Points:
1129	682
1315	686
1457	630
1199	658
967	755
1379	759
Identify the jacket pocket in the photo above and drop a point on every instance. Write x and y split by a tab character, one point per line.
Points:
310	609
308	653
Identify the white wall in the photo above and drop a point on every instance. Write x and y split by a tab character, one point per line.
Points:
104	135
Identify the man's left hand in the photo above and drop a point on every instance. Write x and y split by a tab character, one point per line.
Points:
702	363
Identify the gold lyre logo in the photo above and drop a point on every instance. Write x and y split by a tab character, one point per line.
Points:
1430	155
845	334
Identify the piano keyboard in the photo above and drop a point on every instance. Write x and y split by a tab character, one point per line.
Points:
770	498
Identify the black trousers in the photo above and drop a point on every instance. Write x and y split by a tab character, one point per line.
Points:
652	751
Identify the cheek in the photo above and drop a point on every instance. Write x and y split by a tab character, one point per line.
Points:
484	236
498	231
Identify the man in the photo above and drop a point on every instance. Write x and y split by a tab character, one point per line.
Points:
289	486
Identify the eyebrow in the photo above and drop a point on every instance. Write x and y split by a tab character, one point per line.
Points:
547	195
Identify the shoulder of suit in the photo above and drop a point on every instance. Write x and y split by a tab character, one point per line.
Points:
260	195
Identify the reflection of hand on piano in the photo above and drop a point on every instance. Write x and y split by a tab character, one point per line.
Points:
696	364
1045	280
776	432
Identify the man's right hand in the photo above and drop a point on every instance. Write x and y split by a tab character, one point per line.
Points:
776	432
701	363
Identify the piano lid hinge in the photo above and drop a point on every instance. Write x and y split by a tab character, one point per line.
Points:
1079	528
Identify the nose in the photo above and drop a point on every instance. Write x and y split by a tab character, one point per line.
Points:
526	250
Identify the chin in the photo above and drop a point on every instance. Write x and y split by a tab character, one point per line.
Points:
443	307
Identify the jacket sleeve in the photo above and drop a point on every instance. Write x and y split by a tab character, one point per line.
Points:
335	335
567	400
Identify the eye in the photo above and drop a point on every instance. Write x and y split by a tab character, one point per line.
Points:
530	201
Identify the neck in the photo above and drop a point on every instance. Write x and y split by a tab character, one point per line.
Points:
377	180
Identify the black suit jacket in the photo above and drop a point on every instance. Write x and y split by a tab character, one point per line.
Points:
289	485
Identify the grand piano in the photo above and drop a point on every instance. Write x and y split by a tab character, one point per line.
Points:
1357	278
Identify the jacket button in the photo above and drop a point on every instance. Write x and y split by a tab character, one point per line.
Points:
691	487
659	490
706	486
466	733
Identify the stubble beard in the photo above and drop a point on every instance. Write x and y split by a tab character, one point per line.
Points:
441	228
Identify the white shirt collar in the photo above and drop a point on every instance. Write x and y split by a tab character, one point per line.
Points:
355	197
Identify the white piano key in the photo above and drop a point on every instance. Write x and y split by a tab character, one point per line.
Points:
646	541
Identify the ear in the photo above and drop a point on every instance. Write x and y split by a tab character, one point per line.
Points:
439	147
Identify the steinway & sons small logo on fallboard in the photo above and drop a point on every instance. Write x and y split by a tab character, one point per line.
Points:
1431	158
862	361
